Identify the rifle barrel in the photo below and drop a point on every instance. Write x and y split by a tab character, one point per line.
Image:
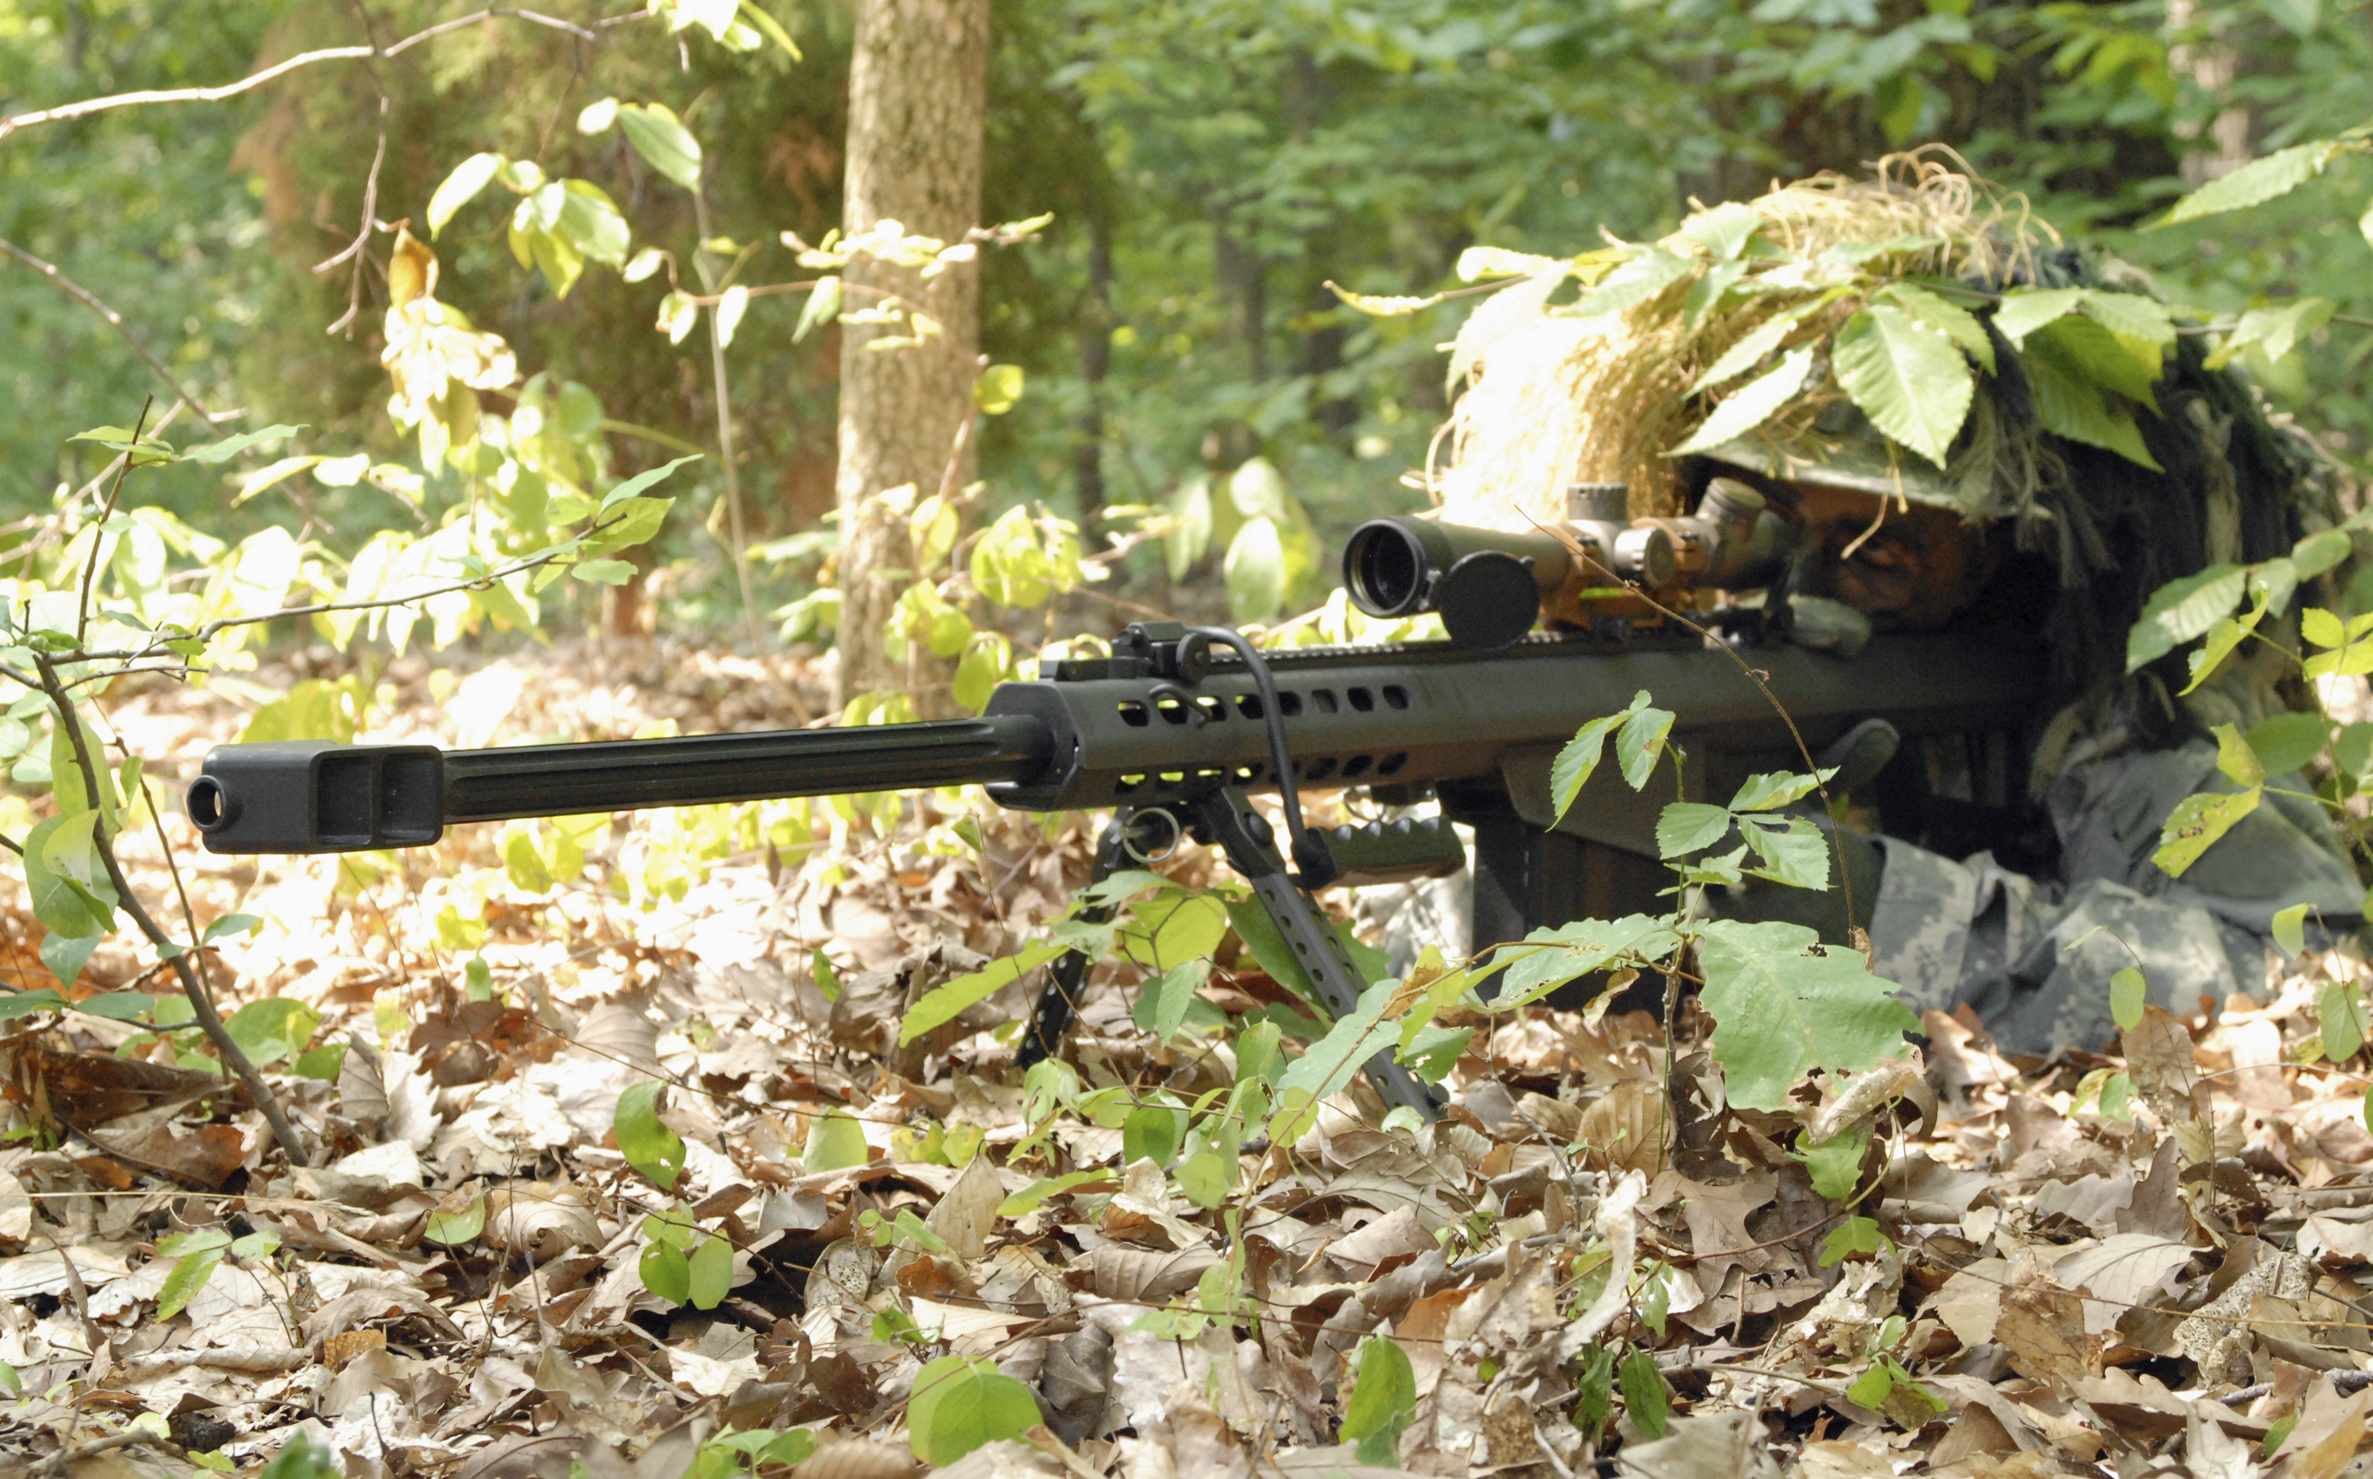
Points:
626	775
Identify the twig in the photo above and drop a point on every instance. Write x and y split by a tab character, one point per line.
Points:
115	320
90	568
362	235
738	538
68	112
200	1000
128	1438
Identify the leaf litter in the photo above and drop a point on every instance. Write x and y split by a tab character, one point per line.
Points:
644	1181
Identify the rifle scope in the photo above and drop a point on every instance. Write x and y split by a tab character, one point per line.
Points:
1491	585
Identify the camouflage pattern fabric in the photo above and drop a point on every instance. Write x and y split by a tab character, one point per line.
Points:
2034	957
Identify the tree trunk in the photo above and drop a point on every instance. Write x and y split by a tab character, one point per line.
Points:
917	88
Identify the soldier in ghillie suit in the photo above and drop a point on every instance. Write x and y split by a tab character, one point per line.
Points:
1973	427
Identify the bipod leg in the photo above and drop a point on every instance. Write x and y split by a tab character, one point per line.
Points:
1058	1000
1229	819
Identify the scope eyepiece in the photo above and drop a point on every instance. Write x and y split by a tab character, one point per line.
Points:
1387	570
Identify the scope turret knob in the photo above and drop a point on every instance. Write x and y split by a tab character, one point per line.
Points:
1645	554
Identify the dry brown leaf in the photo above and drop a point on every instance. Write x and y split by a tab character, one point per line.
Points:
2042	1329
1625	1129
858	1460
1121	1272
965	1216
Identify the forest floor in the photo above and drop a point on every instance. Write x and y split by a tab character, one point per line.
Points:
2155	1263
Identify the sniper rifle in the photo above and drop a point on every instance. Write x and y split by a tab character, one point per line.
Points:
1179	725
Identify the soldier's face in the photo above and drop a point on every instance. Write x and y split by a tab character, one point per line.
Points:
1919	567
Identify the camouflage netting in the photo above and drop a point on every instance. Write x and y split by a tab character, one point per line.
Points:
1562	399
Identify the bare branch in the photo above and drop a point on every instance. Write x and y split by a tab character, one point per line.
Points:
115	320
201	1000
66	113
90	569
362	235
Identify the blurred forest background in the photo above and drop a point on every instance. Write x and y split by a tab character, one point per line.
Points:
1210	165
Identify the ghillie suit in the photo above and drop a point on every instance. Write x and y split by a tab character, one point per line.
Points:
1915	338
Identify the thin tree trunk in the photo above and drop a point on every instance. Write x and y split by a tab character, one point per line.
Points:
917	89
1095	359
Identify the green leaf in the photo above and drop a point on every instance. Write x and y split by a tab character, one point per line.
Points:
117	1006
626	524
1946	317
1549	957
756	15
65	956
2340	1007
710	1271
15	1004
1030	1198
2131	315
2024	310
1633	283
323	1063
2256	182
2196	824
2184	609
986	659
1835	1165
945	1003
662	140
731	305
1748	352
1383	1401
835	1142
602	572
187	1276
2070	404
1909	379
452	1226
1870	1389
1255	571
666	1272
961	1403
1640	742
1330	1064
2083	347
1854	1235
648	1145
1751	404
1723	230
634	486
2226	635
1644	1399
1781	1010
1152	1132
2236	759
1595	1393
1795	853
230	924
214	454
1579	758
827	979
998	390
823	307
58	855
460	188
1775	789
596	118
2290	929
1175	990
1687	826
273	1028
2129	993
